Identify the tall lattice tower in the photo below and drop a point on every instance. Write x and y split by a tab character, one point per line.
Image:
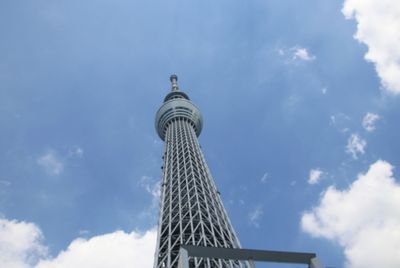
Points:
191	209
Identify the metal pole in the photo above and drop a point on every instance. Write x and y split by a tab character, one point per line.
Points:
252	264
315	263
183	258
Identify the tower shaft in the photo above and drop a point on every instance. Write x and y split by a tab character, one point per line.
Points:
191	209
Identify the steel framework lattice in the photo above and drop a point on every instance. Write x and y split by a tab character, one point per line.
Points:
191	210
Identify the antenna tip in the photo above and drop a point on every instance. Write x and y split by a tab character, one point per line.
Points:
173	77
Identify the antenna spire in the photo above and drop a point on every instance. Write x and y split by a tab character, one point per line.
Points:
174	78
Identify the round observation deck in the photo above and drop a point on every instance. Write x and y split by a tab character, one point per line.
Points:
177	105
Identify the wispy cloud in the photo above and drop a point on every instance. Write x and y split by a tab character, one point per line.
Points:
5	182
153	188
315	176
51	163
84	232
355	145
300	53
295	54
264	178
75	151
254	216
151	185
340	121
369	121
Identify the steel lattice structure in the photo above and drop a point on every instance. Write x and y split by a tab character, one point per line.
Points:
191	210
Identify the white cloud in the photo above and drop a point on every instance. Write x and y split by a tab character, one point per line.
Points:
324	90
296	53
84	232
378	27
264	178
255	215
300	53
21	247
153	188
315	176
369	121
355	145
118	249
20	244
364	219
50	163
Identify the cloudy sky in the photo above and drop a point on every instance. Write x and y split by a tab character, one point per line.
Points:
301	111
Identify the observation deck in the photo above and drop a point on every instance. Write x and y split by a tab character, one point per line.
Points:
177	106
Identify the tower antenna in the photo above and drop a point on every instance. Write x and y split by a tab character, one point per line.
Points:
174	82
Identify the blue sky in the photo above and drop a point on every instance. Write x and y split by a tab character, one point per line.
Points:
300	102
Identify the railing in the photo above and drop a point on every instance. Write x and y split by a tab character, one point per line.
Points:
249	255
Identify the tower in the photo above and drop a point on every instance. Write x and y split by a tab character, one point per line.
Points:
191	209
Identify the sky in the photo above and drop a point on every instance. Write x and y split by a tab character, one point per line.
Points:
300	101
